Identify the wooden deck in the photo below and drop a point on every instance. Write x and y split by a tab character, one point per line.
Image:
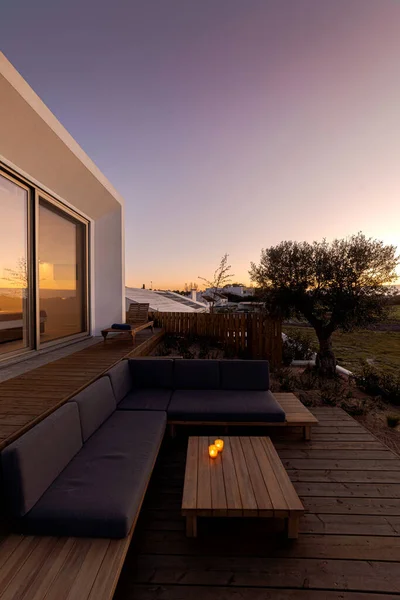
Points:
349	543
27	399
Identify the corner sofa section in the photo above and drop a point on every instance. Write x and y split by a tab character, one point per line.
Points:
204	391
84	470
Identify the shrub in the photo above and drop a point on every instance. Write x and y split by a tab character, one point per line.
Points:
329	395
299	346
354	407
308	379
392	420
163	350
391	388
337	392
205	347
287	379
368	379
378	383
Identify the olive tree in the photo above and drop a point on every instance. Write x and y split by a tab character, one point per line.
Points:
340	285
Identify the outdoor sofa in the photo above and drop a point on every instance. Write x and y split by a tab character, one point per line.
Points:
84	470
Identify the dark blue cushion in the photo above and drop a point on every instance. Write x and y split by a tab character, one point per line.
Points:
244	374
33	461
196	375
152	372
121	380
225	405
96	403
146	399
121	326
100	492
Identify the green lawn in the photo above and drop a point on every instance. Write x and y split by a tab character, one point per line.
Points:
383	347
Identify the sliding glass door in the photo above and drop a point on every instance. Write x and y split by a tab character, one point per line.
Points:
15	305
62	273
43	269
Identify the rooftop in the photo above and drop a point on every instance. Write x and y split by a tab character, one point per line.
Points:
163	301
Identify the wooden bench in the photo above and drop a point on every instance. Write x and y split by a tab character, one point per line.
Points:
247	479
34	568
137	317
297	415
131	332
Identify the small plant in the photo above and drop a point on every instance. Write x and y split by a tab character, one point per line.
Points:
229	351
354	408
333	391
184	344
162	350
307	399
329	397
206	347
392	420
287	380
308	379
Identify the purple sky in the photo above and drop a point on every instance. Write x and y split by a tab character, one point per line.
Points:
227	125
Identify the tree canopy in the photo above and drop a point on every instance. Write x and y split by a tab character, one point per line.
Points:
339	285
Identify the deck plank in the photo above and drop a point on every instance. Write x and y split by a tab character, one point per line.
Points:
189	570
218	493
233	498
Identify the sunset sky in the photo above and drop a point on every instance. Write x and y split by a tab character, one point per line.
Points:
227	125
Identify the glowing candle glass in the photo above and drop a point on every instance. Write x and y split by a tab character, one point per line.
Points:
213	451
219	444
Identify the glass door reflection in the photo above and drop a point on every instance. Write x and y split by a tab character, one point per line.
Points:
14	267
61	274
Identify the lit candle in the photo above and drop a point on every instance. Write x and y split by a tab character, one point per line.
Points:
219	444
213	451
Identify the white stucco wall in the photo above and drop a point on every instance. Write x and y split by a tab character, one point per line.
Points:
36	146
108	272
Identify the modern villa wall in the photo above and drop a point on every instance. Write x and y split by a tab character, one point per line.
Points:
38	154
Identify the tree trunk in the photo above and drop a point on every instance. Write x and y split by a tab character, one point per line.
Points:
325	360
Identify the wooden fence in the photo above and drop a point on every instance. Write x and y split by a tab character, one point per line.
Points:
250	334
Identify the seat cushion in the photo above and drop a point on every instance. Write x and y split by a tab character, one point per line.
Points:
121	380
244	374
146	399
100	492
96	403
152	372
196	375
225	405
32	463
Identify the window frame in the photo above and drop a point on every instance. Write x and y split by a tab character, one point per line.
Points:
35	192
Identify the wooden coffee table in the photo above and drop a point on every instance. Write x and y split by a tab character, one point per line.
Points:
247	479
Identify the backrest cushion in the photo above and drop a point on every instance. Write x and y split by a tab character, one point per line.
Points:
33	461
152	372
121	380
96	403
244	374
196	375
